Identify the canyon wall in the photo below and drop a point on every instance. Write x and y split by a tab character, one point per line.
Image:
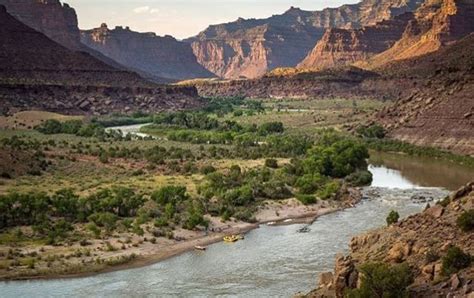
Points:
250	48
38	73
147	53
55	20
340	47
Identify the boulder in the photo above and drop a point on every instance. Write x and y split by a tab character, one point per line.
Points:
435	211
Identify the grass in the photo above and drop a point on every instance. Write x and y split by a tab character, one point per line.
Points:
308	116
30	119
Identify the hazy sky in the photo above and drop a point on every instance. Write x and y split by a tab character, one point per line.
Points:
183	18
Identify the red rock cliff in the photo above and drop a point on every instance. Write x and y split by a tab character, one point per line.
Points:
146	52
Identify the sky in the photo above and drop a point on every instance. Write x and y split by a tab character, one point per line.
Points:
183	18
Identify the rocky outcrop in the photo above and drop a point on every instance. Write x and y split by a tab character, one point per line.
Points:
250	48
55	20
37	73
437	23
96	100
339	47
410	241
152	55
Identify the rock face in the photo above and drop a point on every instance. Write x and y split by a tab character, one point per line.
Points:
55	20
436	24
145	52
340	47
36	72
250	48
410	241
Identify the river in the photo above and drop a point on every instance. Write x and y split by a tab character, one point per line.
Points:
274	261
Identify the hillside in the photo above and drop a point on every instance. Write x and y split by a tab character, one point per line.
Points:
36	72
146	52
250	48
421	241
440	109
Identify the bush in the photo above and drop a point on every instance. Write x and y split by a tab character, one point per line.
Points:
455	260
271	163
360	178
373	131
307	199
466	221
170	194
431	256
392	217
382	280
329	190
207	169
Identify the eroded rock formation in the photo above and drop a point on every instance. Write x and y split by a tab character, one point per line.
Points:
147	53
340	47
250	48
55	20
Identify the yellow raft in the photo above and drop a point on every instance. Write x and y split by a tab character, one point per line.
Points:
233	238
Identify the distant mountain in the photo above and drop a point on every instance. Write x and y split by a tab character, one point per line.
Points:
146	52
250	48
38	73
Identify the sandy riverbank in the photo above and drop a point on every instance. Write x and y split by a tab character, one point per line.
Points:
147	252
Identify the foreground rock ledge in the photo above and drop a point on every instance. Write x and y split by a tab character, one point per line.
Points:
409	241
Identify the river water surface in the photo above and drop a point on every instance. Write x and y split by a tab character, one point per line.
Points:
272	261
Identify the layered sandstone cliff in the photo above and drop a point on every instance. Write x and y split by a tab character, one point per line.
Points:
421	241
146	52
436	24
339	47
250	48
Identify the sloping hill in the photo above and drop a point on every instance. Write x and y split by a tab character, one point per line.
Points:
38	73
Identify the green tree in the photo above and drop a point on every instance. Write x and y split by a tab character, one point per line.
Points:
392	217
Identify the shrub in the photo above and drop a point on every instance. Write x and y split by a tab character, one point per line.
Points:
373	131
466	221
271	163
329	190
207	169
431	256
382	280
392	217
170	194
359	178
444	202
455	260
307	199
